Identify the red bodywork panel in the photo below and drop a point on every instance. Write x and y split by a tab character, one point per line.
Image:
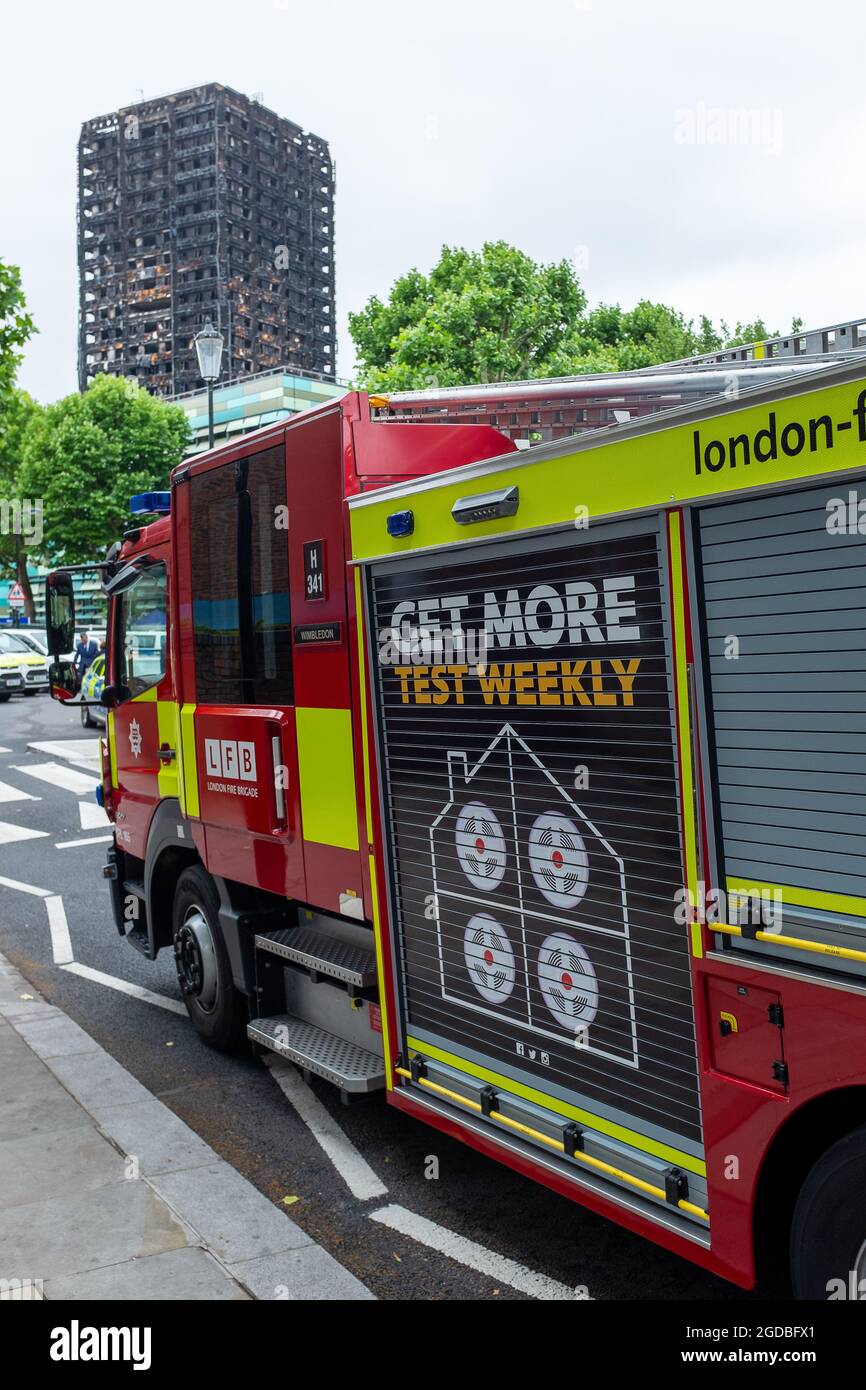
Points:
746	1044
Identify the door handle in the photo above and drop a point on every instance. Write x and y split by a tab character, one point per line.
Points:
279	793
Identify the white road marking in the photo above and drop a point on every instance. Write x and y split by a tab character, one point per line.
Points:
147	996
61	942
74	844
355	1171
82	751
59	776
474	1256
25	887
10	793
10	833
5	750
61	950
92	817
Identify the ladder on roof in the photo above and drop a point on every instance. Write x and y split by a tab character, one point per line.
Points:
817	344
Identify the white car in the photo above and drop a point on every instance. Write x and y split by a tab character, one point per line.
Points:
23	668
34	637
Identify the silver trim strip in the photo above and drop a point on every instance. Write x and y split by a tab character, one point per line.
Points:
779	967
277	756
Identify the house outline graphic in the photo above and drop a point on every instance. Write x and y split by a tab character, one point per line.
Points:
459	787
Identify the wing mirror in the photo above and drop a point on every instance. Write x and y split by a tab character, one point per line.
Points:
59	613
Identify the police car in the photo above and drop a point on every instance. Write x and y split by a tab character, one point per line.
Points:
91	689
22	670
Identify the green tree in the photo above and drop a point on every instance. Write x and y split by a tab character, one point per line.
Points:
20	524
639	337
492	315
746	333
85	456
497	316
16	327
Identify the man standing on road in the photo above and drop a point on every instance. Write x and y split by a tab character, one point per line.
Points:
85	653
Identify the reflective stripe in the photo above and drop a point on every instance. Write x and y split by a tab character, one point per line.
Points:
368	810
112	749
571	1112
169	778
326	770
188	768
684	719
799	897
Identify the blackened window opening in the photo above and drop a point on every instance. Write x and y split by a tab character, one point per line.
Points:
240	582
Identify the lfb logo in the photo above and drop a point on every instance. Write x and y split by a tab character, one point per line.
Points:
225	757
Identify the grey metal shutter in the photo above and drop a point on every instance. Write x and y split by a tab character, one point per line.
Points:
786	598
509	883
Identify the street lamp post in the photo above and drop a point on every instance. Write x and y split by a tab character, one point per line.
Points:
209	351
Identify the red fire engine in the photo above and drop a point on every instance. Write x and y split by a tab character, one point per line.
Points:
527	786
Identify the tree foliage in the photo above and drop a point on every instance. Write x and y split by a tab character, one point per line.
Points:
86	455
20	523
492	315
16	327
495	315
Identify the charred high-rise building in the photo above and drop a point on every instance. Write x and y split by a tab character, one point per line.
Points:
203	205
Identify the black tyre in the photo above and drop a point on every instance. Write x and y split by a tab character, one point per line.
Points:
86	721
828	1233
4	696
217	1010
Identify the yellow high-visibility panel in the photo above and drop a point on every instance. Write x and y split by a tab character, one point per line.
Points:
326	768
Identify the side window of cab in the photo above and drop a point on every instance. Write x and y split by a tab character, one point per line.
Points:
140	632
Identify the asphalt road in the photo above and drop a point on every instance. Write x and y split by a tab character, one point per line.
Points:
236	1106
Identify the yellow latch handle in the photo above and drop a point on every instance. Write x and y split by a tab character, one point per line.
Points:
797	943
590	1162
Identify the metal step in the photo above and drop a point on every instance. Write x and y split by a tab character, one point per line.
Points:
139	938
323	954
348	1066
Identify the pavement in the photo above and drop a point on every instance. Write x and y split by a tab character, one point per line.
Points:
106	1194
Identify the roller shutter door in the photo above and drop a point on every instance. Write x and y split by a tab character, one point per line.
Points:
785	622
533	819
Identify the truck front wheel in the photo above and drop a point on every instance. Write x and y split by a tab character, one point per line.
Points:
828	1234
204	973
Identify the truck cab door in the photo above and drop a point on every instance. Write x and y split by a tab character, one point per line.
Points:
141	675
235	640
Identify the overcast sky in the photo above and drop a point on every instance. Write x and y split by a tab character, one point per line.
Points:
605	130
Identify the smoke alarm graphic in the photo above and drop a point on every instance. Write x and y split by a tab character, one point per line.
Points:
480	845
558	859
568	981
489	958
532	924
